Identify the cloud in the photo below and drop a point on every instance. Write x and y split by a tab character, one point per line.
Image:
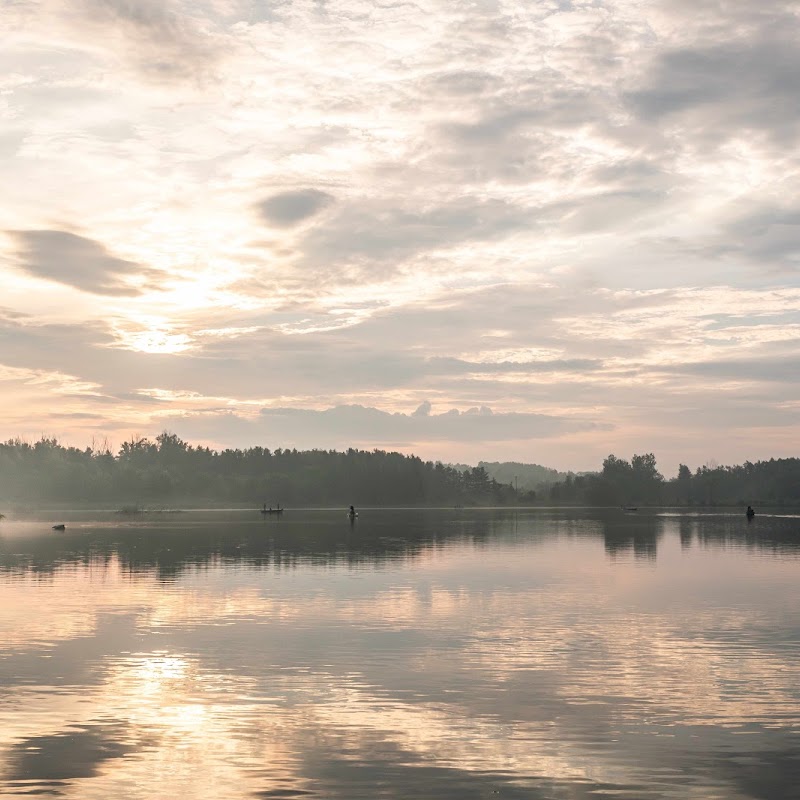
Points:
724	83
76	348
424	410
768	235
286	209
772	368
164	38
78	262
363	426
385	232
464	82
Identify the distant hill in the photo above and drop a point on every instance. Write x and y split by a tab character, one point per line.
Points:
526	476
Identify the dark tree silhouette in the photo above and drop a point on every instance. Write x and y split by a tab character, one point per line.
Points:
171	471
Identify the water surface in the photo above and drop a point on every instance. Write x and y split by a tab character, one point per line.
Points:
432	654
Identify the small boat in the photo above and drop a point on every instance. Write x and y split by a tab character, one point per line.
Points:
60	527
272	510
630	508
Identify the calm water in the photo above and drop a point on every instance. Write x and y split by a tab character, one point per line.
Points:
412	654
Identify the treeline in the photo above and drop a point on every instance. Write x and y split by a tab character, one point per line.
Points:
638	482
169	471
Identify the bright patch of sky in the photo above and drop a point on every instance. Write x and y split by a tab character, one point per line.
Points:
350	223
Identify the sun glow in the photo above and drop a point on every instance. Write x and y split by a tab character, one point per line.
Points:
159	342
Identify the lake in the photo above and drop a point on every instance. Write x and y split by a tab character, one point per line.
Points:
458	654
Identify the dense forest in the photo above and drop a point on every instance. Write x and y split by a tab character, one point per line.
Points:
638	482
169	472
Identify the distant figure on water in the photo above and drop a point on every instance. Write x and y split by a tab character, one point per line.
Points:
60	527
750	513
352	513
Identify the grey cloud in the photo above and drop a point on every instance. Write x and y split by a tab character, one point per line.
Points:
539	100
737	414
376	355
461	83
457	366
367	231
724	87
371	424
50	347
509	122
766	236
759	221
515	133
633	171
491	130
76	261
529	315
769	236
423	410
483	26
346	425
289	208
263	11
514	156
780	368
166	42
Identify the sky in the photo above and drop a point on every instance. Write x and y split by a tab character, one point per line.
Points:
541	231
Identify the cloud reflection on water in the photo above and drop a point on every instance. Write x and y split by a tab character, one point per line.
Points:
501	655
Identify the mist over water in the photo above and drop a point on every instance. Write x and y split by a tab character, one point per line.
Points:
433	653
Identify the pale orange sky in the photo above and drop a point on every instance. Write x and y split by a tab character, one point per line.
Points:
541	231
